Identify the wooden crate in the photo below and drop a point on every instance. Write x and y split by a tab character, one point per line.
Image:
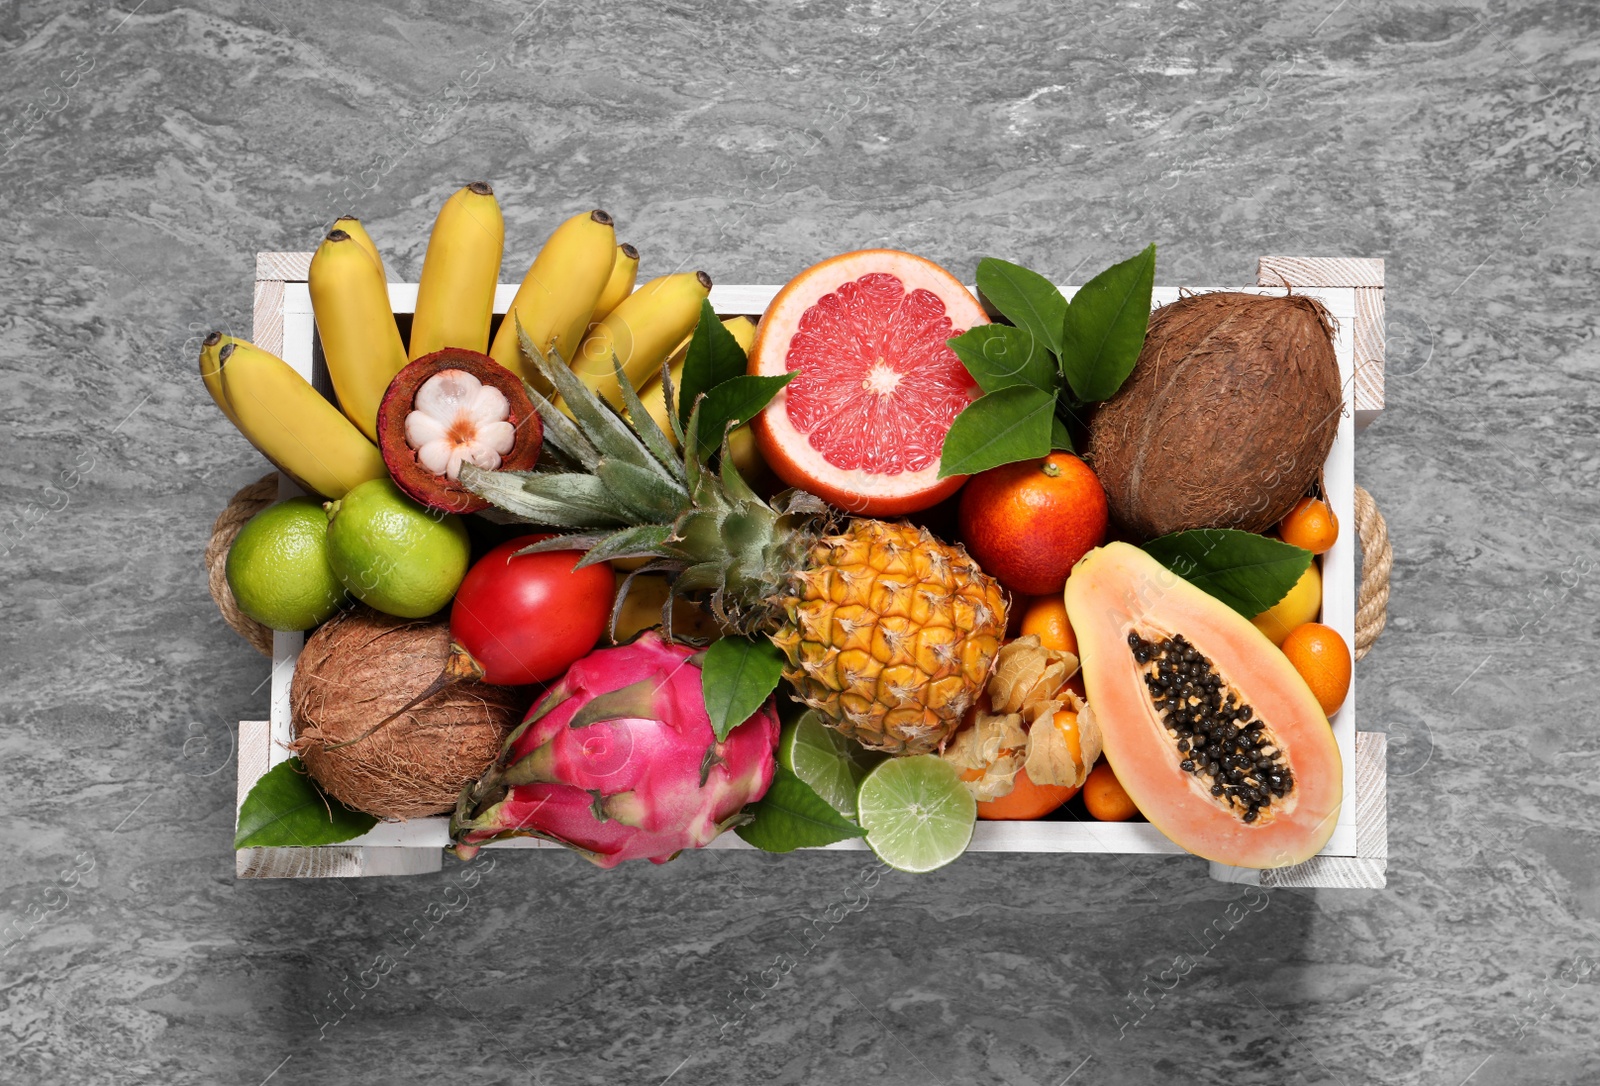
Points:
1356	855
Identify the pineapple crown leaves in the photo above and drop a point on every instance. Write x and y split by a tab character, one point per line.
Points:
616	479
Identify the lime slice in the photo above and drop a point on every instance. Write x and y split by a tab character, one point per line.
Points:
833	764
917	813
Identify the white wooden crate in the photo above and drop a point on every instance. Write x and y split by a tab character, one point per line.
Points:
1355	856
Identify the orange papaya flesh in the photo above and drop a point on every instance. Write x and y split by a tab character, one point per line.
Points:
1174	676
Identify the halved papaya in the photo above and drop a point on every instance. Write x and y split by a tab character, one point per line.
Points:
1213	733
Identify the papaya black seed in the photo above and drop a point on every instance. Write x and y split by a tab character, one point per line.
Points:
1203	714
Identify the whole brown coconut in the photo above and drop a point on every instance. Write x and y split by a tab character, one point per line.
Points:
362	666
1226	419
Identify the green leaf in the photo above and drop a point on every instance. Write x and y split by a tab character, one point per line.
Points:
714	356
735	402
1105	325
1011	424
1248	572
286	808
1059	437
999	356
1025	298
738	676
791	815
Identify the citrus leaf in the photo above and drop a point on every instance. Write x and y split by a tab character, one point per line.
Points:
286	808
734	402
714	356
1025	298
1011	424
1060	439
1248	572
737	676
791	815
999	356
1104	327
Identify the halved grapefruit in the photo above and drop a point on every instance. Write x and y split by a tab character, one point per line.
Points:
863	424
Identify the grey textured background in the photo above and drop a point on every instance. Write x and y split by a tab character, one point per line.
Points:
147	153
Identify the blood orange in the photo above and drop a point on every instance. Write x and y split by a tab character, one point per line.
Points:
863	424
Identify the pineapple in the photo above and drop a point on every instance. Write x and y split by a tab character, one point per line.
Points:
889	633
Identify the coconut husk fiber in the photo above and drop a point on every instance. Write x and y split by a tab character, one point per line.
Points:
1227	418
362	666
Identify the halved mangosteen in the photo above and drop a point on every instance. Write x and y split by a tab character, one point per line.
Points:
449	408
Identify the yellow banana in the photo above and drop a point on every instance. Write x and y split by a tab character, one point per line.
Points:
743	329
360	339
211	373
352	226
624	273
455	296
291	423
559	293
641	332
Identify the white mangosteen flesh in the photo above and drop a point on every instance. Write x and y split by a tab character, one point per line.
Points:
457	419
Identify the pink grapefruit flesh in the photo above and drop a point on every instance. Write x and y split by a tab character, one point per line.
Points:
864	422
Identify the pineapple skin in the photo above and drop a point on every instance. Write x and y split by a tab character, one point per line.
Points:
890	635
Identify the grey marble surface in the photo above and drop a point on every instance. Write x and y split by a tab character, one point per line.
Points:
147	152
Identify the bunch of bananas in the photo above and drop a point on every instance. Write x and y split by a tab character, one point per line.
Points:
578	300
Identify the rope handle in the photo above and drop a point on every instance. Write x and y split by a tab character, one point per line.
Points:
242	506
1372	601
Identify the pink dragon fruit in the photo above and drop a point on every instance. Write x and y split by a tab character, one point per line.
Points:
618	761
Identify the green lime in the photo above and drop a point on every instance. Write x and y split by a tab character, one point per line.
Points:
917	813
278	567
833	764
393	554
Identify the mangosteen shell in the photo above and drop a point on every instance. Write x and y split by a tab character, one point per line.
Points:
438	491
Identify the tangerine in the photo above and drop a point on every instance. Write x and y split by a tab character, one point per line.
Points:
1029	522
1310	525
1322	658
1047	618
1025	801
1105	798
